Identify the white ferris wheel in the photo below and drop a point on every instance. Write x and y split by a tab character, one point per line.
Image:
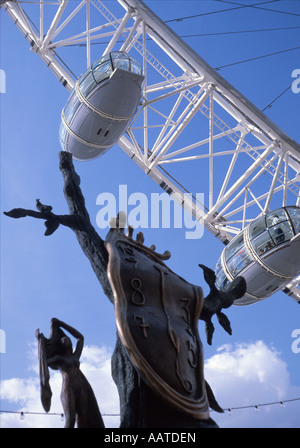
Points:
187	114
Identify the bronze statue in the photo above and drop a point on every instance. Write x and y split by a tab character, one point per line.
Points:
77	397
157	314
158	361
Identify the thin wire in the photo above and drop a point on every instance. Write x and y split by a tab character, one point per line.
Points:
272	102
257	57
256	6
256	406
240	32
216	68
251	406
22	413
32	413
199	35
180	19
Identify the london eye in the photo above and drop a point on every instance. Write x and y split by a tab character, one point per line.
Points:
173	111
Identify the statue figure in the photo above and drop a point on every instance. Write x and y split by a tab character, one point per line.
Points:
158	361
77	397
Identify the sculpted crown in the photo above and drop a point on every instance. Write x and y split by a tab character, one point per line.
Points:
118	225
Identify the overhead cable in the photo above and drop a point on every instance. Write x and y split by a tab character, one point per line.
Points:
240	32
257	6
180	19
272	102
255	58
228	409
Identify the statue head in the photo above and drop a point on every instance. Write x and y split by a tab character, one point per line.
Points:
66	344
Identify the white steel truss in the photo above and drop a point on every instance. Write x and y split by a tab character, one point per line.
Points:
190	120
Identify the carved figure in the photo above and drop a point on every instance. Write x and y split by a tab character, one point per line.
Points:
42	207
157	364
77	397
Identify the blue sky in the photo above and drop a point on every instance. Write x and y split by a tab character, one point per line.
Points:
44	277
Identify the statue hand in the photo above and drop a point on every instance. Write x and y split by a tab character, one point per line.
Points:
55	322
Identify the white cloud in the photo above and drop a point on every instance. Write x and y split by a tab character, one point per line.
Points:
96	366
240	375
25	393
252	374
